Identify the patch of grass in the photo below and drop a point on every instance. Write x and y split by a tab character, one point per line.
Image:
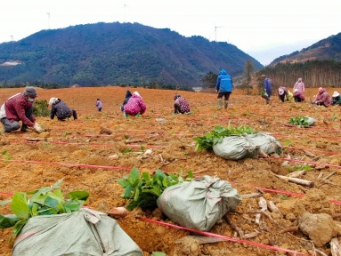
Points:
6	156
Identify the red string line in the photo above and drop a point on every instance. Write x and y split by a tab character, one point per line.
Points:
71	165
306	162
226	238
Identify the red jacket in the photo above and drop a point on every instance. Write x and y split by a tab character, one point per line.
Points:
15	109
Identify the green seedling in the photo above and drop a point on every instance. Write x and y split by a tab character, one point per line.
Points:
283	197
65	133
303	167
142	190
6	156
158	254
287	143
127	150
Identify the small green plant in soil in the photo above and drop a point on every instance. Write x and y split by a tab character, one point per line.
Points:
213	137
40	108
6	156
300	121
143	190
44	201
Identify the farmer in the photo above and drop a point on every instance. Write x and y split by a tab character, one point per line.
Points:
126	99
224	87
299	89
336	98
61	110
135	105
282	93
322	98
181	105
17	108
298	95
267	86
99	105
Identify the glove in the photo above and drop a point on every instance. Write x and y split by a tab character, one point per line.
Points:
37	128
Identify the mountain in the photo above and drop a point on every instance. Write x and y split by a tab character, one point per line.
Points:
117	54
325	49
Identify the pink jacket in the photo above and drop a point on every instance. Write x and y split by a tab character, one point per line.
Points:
299	94
323	98
299	86
135	106
15	109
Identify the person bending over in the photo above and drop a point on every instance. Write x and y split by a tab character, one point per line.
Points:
61	110
17	108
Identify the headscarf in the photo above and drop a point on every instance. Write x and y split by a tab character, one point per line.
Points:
176	96
53	100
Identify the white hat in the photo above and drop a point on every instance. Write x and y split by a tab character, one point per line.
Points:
53	100
335	94
136	93
295	90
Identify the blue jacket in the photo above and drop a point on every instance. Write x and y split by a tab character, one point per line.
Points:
224	82
267	86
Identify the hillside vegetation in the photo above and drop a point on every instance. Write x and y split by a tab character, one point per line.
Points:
117	54
318	65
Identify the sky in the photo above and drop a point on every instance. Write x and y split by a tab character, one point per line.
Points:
264	29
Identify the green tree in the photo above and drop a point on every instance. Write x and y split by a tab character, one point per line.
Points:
210	79
248	70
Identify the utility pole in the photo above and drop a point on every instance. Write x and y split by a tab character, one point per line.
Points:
48	20
215	32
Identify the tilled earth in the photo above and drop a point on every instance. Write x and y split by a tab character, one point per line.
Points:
86	159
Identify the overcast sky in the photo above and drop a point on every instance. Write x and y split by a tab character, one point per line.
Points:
264	29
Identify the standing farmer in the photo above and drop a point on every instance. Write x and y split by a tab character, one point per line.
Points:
224	87
267	86
99	105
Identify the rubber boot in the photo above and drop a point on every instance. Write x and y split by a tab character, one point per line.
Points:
226	103
74	114
220	103
23	128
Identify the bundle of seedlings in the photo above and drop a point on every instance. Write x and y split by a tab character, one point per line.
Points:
44	215
217	135
143	190
237	143
302	121
43	201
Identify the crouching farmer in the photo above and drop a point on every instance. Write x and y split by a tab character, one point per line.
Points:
61	110
135	106
181	105
17	108
322	98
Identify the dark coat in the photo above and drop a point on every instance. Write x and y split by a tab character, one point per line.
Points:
126	99
61	110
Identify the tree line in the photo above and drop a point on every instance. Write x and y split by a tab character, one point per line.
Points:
315	73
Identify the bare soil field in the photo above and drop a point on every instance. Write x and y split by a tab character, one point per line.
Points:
89	160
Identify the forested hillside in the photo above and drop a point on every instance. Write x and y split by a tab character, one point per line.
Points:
318	65
116	54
